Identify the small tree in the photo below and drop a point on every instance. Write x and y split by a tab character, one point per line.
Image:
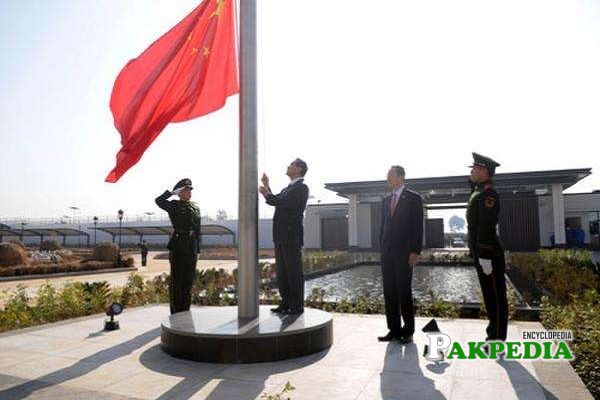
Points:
456	223
221	215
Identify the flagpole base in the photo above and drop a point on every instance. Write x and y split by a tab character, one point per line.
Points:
216	335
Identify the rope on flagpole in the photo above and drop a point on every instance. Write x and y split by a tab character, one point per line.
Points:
236	24
262	111
262	133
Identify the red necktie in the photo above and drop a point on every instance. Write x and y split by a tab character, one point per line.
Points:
393	203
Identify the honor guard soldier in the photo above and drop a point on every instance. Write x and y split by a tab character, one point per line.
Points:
184	244
486	249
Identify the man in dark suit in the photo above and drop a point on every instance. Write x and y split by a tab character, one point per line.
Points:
401	239
288	236
144	251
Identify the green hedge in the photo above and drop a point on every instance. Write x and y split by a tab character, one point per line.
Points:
560	272
582	317
313	261
80	299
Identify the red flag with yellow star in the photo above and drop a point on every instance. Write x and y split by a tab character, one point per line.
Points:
188	72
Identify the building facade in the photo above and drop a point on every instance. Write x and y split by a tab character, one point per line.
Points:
535	212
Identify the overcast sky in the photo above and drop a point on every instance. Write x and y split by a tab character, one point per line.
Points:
350	86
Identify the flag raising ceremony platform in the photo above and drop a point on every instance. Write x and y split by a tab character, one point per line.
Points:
216	335
186	73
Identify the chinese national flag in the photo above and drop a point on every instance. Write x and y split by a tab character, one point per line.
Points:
188	72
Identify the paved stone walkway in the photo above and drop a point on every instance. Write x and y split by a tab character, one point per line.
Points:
76	360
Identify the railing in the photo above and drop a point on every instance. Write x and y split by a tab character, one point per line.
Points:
88	220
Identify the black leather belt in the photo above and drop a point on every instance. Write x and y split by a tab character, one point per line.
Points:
183	233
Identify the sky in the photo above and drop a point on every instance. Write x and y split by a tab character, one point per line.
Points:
351	87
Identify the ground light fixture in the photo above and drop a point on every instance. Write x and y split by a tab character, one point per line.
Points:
114	309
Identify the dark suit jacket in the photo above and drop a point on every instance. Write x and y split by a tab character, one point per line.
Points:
289	205
403	231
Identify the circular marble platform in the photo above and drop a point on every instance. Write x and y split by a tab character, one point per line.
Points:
214	334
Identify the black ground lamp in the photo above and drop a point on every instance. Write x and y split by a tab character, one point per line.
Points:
95	228
114	309
120	216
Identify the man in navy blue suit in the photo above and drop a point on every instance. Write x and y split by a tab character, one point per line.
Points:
288	236
401	239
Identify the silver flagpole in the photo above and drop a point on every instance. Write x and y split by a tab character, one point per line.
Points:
248	175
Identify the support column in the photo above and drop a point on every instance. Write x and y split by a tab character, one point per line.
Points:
353	222
558	212
425	226
248	172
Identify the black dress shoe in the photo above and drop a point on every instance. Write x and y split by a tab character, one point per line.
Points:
279	309
405	339
294	311
388	338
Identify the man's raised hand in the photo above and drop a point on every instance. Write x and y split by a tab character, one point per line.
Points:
265	180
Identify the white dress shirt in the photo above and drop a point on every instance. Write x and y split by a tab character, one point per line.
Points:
398	192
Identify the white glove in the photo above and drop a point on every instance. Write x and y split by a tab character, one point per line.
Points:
176	192
486	265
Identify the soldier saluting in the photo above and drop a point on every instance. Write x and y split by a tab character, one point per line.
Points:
485	246
184	244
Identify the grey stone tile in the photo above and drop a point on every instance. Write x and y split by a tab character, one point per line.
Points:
10	357
559	380
99	377
230	389
150	384
19	340
273	372
506	371
8	381
53	345
470	389
41	366
398	385
45	391
565	391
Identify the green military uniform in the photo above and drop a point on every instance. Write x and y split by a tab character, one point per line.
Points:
482	218
183	246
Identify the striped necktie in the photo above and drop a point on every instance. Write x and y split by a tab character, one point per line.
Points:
393	203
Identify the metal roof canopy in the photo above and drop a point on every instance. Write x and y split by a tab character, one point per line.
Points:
37	232
41	232
455	189
162	230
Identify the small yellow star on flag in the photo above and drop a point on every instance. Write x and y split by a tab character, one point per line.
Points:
205	51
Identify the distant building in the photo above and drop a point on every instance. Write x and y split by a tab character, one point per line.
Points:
154	232
534	210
